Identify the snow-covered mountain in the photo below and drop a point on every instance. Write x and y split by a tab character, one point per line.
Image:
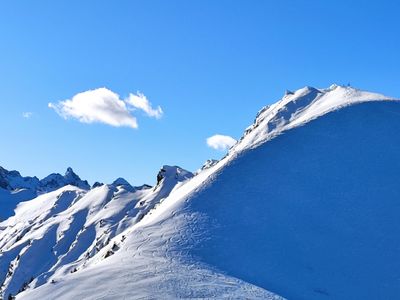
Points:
15	188
58	232
304	206
55	181
299	107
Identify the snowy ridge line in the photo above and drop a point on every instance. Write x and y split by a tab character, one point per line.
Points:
293	110
298	108
64	231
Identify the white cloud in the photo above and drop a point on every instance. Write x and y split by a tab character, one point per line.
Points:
220	142
27	115
140	101
103	106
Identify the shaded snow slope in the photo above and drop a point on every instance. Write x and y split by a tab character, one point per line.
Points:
145	267
313	213
10	199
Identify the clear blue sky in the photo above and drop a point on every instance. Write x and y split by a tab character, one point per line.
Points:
210	65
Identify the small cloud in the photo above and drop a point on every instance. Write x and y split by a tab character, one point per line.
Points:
220	142
140	101
103	106
27	115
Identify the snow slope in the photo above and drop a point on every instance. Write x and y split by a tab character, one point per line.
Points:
58	232
316	214
307	212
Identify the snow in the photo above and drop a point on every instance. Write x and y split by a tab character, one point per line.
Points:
15	188
300	107
207	164
304	205
58	232
55	181
10	199
12	180
144	268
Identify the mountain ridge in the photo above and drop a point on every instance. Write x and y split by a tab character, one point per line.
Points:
194	233
59	231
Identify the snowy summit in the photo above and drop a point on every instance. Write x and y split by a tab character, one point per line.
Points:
299	107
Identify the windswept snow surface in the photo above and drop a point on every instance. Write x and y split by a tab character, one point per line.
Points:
307	213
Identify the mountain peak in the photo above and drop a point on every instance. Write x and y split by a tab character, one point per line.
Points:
207	164
173	173
120	181
55	181
299	107
69	171
333	86
124	183
71	175
13	180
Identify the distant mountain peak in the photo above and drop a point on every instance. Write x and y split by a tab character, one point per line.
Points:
124	183
97	184
71	175
14	181
55	181
120	181
69	171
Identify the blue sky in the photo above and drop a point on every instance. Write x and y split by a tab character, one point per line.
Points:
210	66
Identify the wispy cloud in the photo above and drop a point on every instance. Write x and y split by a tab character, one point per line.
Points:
27	115
104	106
140	101
220	142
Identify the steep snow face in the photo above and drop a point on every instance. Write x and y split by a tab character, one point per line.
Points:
311	214
59	232
300	107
